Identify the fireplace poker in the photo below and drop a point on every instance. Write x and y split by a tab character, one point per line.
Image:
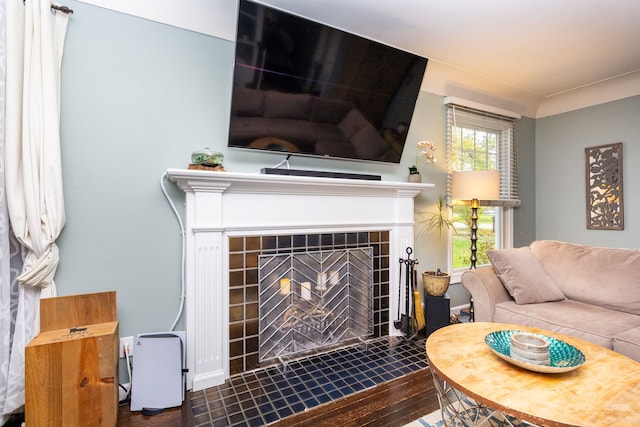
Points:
399	321
408	328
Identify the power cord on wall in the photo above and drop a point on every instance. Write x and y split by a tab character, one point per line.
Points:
183	249
127	390
126	350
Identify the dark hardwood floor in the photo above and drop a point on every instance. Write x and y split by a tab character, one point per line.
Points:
394	403
173	417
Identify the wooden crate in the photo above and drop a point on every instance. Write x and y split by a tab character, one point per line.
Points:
71	373
73	310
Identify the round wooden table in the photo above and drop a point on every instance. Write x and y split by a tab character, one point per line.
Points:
604	391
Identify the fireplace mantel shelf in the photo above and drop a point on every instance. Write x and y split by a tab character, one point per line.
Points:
209	181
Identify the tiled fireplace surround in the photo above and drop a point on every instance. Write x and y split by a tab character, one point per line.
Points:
232	218
243	283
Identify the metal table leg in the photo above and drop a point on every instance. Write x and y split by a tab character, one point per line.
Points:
460	410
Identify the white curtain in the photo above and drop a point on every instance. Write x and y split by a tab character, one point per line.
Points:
10	252
32	170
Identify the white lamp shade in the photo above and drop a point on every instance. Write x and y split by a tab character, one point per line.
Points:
481	185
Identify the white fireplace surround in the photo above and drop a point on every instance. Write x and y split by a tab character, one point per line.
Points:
220	205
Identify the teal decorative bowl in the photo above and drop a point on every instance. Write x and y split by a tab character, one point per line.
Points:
564	357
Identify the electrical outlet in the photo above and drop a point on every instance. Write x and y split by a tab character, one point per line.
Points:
128	341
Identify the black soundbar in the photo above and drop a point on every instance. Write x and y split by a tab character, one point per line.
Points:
320	174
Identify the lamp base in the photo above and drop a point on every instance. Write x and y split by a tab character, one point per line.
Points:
474	230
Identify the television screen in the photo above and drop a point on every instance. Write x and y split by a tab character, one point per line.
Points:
305	88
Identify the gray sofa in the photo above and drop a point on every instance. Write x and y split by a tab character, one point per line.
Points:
587	292
306	124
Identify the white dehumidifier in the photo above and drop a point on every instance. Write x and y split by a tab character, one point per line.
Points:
157	377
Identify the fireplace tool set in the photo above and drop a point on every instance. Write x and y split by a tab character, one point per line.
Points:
412	321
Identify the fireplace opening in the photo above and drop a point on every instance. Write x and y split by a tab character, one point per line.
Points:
244	255
312	300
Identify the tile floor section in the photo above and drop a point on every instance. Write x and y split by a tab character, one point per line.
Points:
266	395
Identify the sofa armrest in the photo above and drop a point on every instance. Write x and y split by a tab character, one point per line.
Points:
486	290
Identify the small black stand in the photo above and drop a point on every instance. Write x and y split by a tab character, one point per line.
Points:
437	312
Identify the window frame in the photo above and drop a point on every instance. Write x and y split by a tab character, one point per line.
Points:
507	164
504	232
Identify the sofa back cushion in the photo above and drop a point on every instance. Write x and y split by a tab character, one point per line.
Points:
279	105
329	110
523	276
352	123
247	102
368	144
606	277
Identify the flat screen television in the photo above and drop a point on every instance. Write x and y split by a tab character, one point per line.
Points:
305	88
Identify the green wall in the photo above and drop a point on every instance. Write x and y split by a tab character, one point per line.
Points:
560	171
137	98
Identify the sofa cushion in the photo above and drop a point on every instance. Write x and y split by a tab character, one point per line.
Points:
335	148
603	276
278	105
329	110
628	343
352	123
368	144
247	102
523	276
248	127
577	319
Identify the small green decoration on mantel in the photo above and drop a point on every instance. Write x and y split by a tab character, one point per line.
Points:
207	157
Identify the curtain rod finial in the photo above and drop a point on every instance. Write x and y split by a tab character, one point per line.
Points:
63	9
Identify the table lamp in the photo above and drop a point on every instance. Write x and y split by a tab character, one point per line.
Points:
475	186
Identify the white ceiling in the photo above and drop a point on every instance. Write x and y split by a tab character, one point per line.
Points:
543	47
533	57
540	48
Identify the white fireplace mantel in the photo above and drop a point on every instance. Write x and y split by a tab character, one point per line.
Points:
223	204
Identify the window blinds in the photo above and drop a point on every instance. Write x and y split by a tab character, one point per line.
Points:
465	120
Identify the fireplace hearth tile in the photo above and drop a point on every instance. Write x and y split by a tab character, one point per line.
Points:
270	394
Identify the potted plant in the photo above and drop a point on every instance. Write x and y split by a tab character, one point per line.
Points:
425	150
437	282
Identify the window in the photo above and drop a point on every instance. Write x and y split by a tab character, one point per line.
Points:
480	140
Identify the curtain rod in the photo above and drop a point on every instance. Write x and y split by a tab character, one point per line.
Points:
63	9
